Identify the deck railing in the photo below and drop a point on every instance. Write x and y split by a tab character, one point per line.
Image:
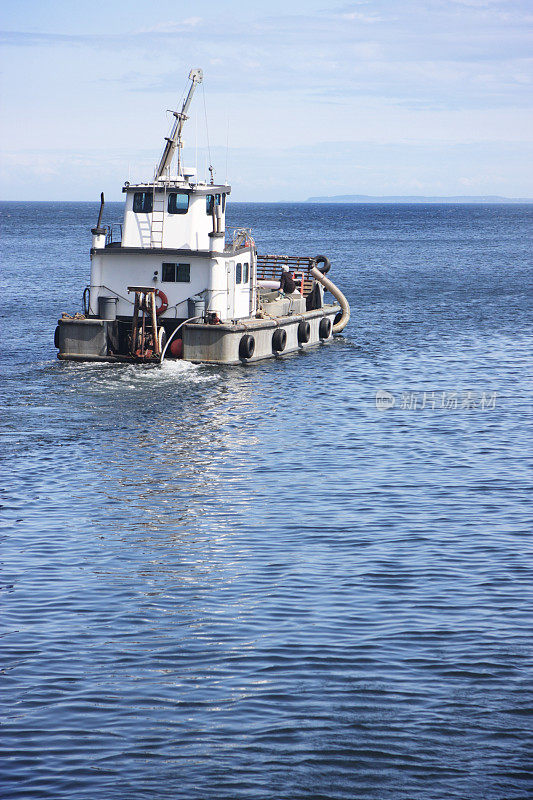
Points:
269	269
113	237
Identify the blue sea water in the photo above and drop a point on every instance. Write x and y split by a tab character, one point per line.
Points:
251	582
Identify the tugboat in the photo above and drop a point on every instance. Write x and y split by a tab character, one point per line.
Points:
169	284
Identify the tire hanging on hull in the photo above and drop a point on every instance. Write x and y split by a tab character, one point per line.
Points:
246	346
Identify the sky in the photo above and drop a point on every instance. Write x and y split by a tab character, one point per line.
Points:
377	97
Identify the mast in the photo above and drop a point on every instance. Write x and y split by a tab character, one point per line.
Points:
174	140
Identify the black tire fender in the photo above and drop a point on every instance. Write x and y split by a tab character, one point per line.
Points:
87	300
279	340
56	337
325	261
324	329
304	332
246	346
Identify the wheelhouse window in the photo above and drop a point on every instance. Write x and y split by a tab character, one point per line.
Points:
178	203
211	199
238	273
142	202
246	273
176	273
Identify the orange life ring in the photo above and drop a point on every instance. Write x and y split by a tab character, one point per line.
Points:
164	302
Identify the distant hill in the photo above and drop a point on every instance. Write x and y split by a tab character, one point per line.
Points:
366	198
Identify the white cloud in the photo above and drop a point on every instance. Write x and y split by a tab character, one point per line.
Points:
359	16
173	27
477	3
438	71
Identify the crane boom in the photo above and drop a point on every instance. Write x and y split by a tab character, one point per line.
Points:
174	140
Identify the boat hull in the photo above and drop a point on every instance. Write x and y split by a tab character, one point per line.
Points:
92	339
221	344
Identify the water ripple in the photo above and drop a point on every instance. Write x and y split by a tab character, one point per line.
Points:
251	583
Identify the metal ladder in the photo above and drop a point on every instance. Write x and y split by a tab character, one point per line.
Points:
157	224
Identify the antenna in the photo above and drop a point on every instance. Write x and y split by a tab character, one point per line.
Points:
227	151
207	136
174	140
196	145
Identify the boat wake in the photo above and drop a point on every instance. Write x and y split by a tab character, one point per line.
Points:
100	377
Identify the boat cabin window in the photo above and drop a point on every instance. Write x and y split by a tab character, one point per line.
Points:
142	202
238	273
178	203
246	273
176	273
210	199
